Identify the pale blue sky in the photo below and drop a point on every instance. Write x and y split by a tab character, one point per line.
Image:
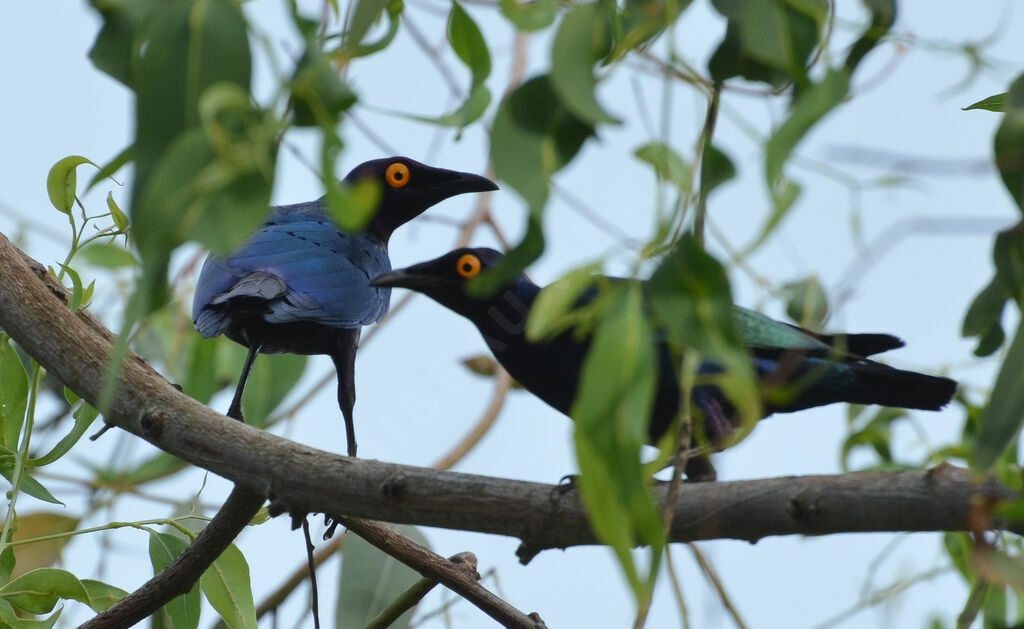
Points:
414	399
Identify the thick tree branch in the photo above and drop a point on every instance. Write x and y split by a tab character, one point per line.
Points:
74	347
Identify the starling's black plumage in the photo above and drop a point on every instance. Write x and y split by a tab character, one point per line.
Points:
820	369
301	284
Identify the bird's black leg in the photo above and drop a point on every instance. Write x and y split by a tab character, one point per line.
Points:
235	410
344	358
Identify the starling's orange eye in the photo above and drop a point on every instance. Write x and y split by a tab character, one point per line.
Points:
397	175
468	266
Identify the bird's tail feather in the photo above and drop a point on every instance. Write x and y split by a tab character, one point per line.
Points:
887	386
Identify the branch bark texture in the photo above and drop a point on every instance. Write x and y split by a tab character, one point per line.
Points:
74	347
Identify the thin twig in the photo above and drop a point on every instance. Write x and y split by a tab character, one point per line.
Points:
706	136
716	582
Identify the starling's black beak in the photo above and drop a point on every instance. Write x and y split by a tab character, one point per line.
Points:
408	278
452	182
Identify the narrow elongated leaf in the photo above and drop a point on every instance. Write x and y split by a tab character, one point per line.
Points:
84	416
996	102
1009	143
38	591
371	580
469	44
582	39
29	485
109	169
226	586
182	611
13	394
612	410
1002	418
42	554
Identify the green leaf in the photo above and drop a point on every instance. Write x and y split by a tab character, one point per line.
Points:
272	377
716	169
107	255
394	12
7	563
119	217
29	485
364	14
691	302
808	303
641	21
371	580
984	317
182	611
116	45
352	206
13	394
77	290
10	620
668	164
529	15
1002	418
84	416
781	34
534	136
469	44
997	102
109	169
188	47
883	16
808	108
583	38
552	311
767	40
38	591
467	113
319	95
617	385
1009	143
226	586
102	595
61	182
44	553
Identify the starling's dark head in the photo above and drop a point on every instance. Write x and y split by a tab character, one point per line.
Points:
409	187
444	279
